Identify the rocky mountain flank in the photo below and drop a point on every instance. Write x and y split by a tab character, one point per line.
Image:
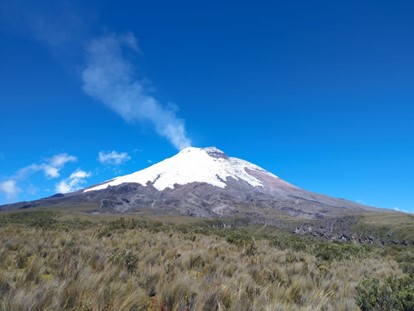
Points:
204	182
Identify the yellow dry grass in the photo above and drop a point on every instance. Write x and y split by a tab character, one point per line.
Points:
145	268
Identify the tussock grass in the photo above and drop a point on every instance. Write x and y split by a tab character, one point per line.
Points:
46	264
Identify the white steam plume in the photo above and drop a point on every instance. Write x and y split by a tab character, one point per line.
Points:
109	77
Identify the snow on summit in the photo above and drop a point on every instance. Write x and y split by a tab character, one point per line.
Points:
205	165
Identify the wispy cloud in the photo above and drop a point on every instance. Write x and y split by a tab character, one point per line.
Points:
73	182
110	77
396	208
50	167
58	24
9	188
113	157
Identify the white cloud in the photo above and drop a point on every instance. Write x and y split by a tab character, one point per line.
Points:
73	182
50	171
396	208
110	78
61	159
113	157
9	188
63	187
51	167
79	174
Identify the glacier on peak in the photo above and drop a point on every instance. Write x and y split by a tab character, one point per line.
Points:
204	165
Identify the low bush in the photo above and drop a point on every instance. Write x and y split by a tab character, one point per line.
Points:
240	238
293	242
395	293
125	257
340	251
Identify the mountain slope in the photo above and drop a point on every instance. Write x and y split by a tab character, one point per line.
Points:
203	182
202	165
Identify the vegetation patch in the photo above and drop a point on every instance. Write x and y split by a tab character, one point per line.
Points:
394	293
49	262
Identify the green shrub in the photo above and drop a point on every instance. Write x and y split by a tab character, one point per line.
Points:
39	219
393	294
240	238
125	257
339	251
407	268
288	242
243	240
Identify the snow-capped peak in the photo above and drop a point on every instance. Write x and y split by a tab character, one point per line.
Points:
205	165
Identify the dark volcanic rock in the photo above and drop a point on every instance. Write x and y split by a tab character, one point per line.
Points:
206	183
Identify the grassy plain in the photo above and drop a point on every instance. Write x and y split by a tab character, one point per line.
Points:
51	260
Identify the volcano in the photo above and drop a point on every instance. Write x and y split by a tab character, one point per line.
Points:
203	182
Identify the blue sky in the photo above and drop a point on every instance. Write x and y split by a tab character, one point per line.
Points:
318	92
